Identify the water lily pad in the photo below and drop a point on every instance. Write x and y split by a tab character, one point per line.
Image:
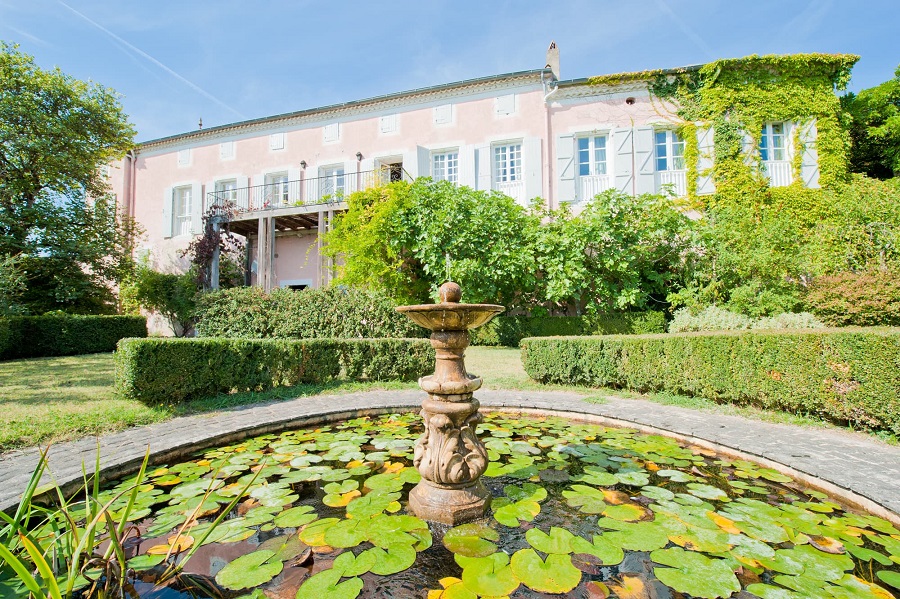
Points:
373	503
558	541
145	562
327	585
657	493
296	517
196	487
249	570
594	475
628	512
525	492
889	577
490	576
286	547
640	536
695	574
355	565
346	533
588	499
314	534
555	575
635	479
392	481
767	591
601	548
510	514
707	492
471	540
393	559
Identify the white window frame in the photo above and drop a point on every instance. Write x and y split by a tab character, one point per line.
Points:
594	164
768	148
182	210
672	142
280	182
338	180
445	165
184	157
331	133
229	194
506	162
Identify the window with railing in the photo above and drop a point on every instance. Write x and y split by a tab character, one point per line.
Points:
508	163
331	181
445	166
226	190
592	155
277	190
773	152
181	210
669	151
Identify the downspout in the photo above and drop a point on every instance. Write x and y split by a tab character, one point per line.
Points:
548	133
132	172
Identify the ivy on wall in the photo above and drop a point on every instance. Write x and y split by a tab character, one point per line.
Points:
736	97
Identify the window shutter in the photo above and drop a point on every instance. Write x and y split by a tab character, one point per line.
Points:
423	159
749	149
168	198
443	114
622	140
294	185
276	141
197	209
645	177
706	147
243	192
533	165
505	105
467	166
809	169
331	132
565	167
483	168
207	200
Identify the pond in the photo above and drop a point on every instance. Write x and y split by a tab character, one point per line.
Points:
578	509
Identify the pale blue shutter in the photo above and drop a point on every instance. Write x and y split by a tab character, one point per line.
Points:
423	161
367	178
483	167
467	166
706	147
567	169
243	193
749	149
168	196
623	140
196	209
294	185
809	169
645	175
208	199
411	163
533	165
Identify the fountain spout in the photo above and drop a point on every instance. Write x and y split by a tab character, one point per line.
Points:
449	455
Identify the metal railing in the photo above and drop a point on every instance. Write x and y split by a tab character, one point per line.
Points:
591	185
676	180
514	189
310	191
778	172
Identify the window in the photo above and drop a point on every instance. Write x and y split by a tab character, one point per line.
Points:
184	157
669	151
388	124
443	114
276	141
332	178
276	189
226	150
771	142
592	155
445	166
331	132
226	191
181	210
507	163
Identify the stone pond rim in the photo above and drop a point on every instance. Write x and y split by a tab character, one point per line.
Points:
449	455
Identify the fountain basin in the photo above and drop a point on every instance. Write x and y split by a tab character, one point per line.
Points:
451	316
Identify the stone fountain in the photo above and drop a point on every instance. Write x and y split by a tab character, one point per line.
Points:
449	455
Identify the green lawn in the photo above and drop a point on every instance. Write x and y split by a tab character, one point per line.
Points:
45	400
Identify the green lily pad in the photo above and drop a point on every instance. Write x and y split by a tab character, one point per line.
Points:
489	576
145	562
286	547
627	512
555	575
707	492
510	514
249	570
588	499
676	476
296	517
601	548
314	534
695	574
327	585
373	503
594	475
657	493
525	492
395	558
355	565
471	540
767	591
558	541
346	533
889	577
809	562
392	481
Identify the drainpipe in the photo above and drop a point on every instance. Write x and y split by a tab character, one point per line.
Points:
547	132
129	193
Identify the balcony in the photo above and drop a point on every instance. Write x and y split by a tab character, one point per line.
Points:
514	189
676	181
591	185
778	172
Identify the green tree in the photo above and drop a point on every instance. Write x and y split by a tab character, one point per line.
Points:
397	238
172	296
56	135
875	129
12	286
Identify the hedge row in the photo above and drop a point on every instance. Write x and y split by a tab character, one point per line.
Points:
166	371
329	313
844	375
37	336
510	330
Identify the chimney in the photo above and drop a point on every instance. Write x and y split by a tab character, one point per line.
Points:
553	60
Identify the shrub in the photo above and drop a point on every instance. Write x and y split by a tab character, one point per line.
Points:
713	318
857	299
249	312
165	371
509	330
65	335
839	374
173	296
788	320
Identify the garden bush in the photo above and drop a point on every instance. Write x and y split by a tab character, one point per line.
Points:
249	312
166	371
509	330
844	375
714	318
857	299
65	335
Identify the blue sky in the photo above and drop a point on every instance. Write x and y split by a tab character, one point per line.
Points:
175	61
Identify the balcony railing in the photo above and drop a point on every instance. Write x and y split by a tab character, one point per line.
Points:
304	192
591	185
514	189
676	180
778	172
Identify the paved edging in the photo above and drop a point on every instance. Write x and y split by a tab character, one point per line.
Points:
852	467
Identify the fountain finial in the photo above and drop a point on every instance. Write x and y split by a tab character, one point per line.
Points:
450	293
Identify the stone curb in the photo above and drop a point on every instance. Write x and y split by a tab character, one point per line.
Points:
854	468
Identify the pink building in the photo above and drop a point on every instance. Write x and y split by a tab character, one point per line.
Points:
527	134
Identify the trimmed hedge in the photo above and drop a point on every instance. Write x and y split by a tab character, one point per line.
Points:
844	375
166	371
68	335
510	330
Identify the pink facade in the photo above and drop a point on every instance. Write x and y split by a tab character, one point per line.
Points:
525	134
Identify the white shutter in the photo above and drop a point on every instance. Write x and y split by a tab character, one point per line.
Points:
467	166
423	160
294	194
533	165
367	179
706	148
168	197
748	148
197	209
207	201
622	142
505	105
443	114
483	168
645	167
566	169
243	192
276	141
809	169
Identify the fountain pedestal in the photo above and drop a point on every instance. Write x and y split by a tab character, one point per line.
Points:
449	455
